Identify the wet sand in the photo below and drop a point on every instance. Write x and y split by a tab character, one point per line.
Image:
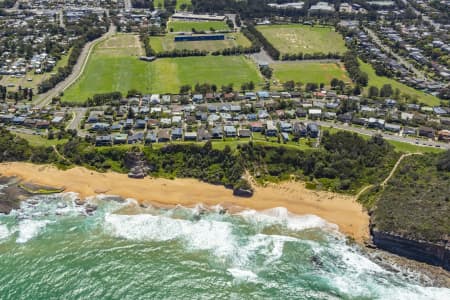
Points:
341	210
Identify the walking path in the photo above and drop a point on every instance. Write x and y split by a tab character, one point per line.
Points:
386	180
396	166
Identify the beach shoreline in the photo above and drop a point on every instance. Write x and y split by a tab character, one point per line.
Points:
342	210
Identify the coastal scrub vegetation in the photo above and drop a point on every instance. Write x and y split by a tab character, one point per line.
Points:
344	162
413	204
416	201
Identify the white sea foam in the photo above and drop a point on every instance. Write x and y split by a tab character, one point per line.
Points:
4	232
355	261
204	235
270	246
243	275
281	216
414	292
374	288
29	229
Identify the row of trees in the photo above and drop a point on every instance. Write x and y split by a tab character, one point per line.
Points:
145	40
204	88
352	66
270	49
316	55
101	99
238	50
142	4
182	53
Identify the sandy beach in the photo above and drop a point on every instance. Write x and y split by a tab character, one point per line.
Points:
339	209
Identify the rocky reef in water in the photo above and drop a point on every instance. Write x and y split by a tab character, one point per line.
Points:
14	191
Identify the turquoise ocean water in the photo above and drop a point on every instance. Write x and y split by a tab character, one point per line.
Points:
50	249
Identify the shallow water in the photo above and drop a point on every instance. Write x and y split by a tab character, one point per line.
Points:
52	250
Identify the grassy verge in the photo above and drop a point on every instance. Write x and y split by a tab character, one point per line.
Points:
379	81
38	140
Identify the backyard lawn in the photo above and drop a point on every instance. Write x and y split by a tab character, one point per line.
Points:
295	38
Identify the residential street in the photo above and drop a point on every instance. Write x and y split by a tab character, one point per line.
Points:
388	50
44	99
385	135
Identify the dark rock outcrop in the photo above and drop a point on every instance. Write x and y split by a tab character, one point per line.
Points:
242	192
11	195
437	254
136	162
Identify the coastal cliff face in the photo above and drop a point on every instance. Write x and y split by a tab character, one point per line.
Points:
430	253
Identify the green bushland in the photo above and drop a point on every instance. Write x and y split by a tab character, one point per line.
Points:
416	201
344	162
295	38
309	72
187	26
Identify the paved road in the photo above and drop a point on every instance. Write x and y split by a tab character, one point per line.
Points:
436	26
232	17
400	59
61	18
262	57
77	115
127	4
385	135
42	100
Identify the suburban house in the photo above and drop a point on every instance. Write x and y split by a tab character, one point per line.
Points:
271	129
230	131
426	132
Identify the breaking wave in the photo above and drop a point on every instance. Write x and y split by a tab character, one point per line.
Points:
271	254
29	229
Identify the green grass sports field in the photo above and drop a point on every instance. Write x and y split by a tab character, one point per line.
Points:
187	26
167	43
309	72
113	68
296	38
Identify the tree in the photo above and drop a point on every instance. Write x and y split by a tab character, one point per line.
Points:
373	92
130	114
386	90
185	89
334	82
289	85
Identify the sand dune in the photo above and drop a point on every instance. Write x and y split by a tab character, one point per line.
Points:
335	208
